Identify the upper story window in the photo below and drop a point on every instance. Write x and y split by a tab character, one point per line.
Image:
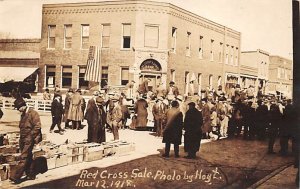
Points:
236	62
174	39
188	46
212	50
231	55
227	54
151	36
105	35
51	36
201	47
126	36
221	52
85	35
67	36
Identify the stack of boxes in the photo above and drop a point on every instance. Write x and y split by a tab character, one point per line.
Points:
58	155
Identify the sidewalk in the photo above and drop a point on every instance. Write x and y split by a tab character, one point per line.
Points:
283	177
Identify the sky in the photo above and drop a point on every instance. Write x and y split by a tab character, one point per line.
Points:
264	24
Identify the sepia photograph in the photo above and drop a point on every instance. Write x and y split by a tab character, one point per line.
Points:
149	94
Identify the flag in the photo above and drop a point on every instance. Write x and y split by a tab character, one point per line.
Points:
93	68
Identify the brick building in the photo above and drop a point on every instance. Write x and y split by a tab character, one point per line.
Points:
281	76
19	60
254	69
138	40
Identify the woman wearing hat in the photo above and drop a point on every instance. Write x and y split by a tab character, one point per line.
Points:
96	119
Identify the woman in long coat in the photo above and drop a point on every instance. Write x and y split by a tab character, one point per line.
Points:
77	106
173	130
206	128
192	125
140	109
96	119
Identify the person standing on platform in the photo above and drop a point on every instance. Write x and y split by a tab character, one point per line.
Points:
172	91
192	125
30	135
57	111
173	131
96	119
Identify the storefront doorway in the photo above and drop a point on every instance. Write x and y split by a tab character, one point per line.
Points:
151	69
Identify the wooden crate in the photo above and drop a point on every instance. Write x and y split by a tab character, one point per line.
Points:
9	149
61	160
75	158
4	171
124	148
109	149
51	161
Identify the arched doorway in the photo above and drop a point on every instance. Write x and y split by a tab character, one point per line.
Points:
151	69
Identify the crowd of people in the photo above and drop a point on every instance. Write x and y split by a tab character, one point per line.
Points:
211	115
239	112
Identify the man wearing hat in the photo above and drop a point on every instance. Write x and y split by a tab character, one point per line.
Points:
159	109
192	125
30	134
57	111
96	119
172	91
67	106
77	106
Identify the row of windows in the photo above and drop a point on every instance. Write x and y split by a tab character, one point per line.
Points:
67	74
231	52
151	39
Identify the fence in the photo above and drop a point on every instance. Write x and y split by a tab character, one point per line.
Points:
37	104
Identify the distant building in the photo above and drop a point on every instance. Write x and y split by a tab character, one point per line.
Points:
281	76
19	60
254	69
138	40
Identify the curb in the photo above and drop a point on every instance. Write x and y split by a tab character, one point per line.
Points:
268	177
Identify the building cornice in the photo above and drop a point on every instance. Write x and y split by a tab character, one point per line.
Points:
134	6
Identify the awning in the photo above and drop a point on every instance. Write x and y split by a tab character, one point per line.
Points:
15	73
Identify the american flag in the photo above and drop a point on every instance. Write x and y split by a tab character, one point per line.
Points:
92	72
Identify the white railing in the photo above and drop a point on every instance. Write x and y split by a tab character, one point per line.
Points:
37	104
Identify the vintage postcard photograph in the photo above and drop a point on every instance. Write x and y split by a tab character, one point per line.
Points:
153	94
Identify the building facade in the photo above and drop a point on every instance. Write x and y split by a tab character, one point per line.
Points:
255	69
19	60
138	40
281	76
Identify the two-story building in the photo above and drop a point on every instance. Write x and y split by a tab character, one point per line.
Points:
254	69
281	76
137	40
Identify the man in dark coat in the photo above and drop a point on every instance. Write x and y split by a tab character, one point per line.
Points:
261	120
275	119
57	111
287	130
30	134
173	130
192	125
96	119
249	122
140	108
